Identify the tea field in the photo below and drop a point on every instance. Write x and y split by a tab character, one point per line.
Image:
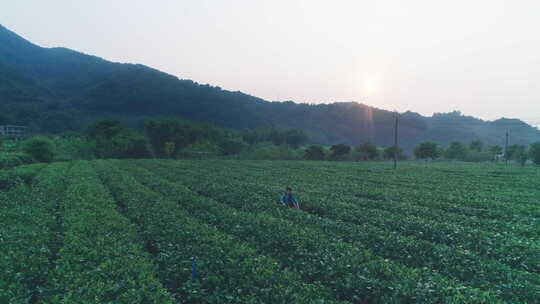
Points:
213	231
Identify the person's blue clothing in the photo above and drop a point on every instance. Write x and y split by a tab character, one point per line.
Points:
289	200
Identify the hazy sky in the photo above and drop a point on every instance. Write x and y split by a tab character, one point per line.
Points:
480	57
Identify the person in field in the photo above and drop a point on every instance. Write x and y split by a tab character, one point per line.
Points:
289	200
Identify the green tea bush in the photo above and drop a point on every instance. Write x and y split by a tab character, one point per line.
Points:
13	159
40	148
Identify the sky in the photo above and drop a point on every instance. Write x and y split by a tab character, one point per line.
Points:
479	57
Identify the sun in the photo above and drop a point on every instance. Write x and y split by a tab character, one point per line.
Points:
370	85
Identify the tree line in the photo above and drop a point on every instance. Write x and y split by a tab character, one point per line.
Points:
176	138
475	151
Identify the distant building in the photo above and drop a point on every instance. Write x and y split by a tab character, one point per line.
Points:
15	132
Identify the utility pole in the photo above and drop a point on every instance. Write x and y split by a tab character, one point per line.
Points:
396	140
506	148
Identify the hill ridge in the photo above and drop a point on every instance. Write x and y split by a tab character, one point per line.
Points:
58	89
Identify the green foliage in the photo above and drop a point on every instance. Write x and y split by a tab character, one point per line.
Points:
122	230
230	145
389	153
474	156
230	270
181	133
100	246
426	150
494	151
291	137
457	150
340	152
535	153
476	145
520	154
269	151
367	151
200	149
28	235
40	148
314	153
74	147
8	181
104	129
13	159
82	149
295	138
512	150
248	216
112	140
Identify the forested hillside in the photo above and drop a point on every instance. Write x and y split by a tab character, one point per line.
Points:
54	90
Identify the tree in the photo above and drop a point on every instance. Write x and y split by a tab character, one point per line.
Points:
340	151
389	153
291	137
112	140
494	151
1	142
456	150
521	155
104	129
295	138
181	133
276	137
231	145
476	145
534	152
367	151
427	149
314	153
517	153
511	150
40	148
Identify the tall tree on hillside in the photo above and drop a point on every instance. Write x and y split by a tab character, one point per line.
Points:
427	150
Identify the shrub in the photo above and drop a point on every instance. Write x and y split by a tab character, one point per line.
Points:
314	153
340	152
41	149
8	181
10	160
367	151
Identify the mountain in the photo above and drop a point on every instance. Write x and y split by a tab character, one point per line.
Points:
56	90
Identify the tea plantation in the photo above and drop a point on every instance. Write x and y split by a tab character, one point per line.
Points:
213	231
